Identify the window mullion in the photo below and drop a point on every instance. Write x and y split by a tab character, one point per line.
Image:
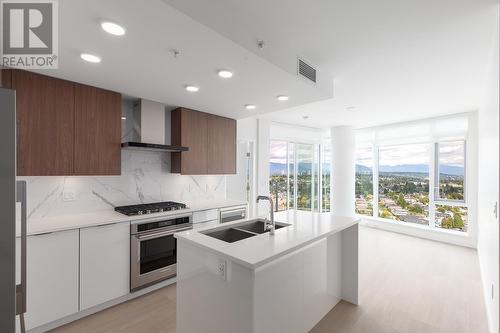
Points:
375	172
433	182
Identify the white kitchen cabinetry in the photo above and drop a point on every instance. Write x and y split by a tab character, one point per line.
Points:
52	277
104	263
203	216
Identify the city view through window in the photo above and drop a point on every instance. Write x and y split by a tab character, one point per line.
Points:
296	178
364	181
300	177
403	184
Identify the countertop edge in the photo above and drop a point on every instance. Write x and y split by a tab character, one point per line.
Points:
108	217
263	262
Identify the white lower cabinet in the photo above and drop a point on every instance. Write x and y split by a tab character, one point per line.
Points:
52	277
104	263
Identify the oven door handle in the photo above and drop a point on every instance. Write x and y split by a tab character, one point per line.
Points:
161	234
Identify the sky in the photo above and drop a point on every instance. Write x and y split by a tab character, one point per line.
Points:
450	153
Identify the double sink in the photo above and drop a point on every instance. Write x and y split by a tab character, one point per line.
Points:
237	232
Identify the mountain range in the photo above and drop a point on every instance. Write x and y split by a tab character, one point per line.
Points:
279	168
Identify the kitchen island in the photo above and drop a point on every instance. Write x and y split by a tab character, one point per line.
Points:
284	282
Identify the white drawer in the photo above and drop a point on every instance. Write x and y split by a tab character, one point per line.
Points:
205	215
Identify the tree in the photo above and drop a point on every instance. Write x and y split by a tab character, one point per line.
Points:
416	209
385	213
447	223
401	201
458	222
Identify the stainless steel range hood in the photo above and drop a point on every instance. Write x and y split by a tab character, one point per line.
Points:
148	128
153	146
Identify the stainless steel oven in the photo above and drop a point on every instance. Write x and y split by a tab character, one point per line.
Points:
153	248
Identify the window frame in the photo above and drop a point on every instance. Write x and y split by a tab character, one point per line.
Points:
374	203
436	188
431	205
317	151
433	180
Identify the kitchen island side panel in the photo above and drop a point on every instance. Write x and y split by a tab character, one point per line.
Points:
207	300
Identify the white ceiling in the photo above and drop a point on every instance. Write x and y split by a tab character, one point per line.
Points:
391	60
140	64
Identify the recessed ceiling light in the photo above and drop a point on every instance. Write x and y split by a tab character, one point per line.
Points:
282	98
349	108
225	74
124	118
250	107
113	28
192	88
90	58
305	117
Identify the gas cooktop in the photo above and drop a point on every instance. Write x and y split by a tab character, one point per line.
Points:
150	208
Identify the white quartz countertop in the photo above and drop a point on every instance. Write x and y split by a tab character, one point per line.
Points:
253	252
103	217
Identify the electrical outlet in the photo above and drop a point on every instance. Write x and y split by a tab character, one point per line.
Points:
222	269
69	196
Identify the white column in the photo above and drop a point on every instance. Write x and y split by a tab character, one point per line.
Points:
343	170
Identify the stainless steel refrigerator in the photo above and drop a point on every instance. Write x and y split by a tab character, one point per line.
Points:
13	296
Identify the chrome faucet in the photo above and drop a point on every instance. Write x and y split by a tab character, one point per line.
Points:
267	226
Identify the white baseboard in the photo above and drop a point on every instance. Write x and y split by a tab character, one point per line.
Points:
424	232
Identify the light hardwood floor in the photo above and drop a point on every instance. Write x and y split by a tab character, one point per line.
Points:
406	285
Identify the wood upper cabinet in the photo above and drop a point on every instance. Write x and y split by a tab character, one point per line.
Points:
45	124
221	145
211	141
64	128
189	129
97	131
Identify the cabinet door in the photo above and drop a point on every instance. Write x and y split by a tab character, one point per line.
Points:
221	145
97	131
104	264
45	117
52	277
194	136
6	78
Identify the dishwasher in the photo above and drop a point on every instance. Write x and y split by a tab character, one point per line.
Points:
232	214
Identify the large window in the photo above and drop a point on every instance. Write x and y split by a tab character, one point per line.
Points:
451	211
278	174
364	181
304	158
403	183
291	175
299	176
415	183
450	170
325	157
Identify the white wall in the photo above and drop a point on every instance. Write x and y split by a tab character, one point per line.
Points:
294	133
343	162
263	135
247	129
488	189
237	184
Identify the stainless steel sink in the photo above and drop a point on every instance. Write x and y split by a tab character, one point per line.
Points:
258	226
240	231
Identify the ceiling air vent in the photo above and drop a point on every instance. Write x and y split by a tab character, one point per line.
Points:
306	70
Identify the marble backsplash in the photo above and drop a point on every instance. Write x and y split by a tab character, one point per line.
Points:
145	178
